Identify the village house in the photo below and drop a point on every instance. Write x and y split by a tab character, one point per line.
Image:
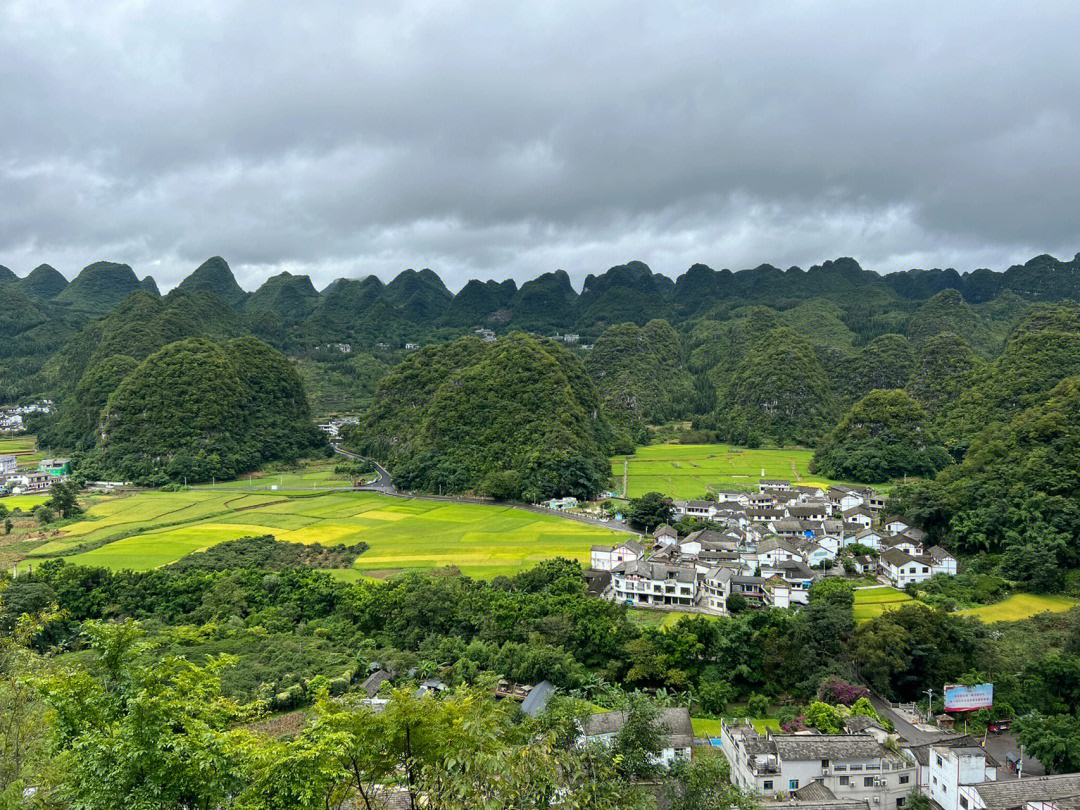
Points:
954	767
8	465
902	568
852	766
1059	792
678	732
665	535
773	485
605	558
654	584
943	561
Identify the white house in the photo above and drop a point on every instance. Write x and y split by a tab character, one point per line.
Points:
654	583
859	514
716	588
773	550
953	767
678	741
666	535
1035	793
8	465
902	568
896	525
854	766
605	558
943	561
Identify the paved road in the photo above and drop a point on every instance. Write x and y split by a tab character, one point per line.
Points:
385	484
913	735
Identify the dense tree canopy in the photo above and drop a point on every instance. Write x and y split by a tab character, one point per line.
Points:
518	418
883	436
197	409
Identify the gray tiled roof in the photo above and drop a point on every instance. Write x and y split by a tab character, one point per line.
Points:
814	792
1013	793
675	721
860	722
796	747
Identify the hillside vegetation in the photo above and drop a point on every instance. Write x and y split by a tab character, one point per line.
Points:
198	410
518	418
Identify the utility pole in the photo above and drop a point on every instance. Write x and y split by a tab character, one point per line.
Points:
930	705
1020	765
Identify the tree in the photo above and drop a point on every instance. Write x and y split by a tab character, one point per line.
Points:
736	604
1054	740
824	718
44	514
757	705
160	734
640	740
64	499
649	511
834	590
8	525
704	783
713	696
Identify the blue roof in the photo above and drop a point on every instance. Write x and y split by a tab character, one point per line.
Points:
538	698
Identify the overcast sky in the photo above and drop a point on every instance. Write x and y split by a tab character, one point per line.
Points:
502	139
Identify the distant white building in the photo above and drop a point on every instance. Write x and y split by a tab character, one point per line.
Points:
605	558
903	569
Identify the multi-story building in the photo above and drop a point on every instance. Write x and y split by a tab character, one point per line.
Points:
954	767
654	584
605	558
851	766
902	568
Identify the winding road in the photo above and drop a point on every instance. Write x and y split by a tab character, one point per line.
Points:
385	484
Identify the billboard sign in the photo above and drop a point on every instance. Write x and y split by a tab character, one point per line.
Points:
969	698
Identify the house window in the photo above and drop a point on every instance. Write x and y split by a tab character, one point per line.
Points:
904	779
868	781
938	760
767	784
793	784
925	570
899	803
845	780
824	763
964	802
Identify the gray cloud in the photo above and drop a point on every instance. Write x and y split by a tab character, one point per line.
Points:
488	139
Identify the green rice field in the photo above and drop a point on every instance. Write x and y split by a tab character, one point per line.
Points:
150	529
22	446
872	602
1022	606
24	502
687	471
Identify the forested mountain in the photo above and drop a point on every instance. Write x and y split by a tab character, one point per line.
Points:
642	377
518	418
100	287
882	437
44	283
214	275
197	409
762	355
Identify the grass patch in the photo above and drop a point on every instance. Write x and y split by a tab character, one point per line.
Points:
686	471
26	503
872	602
1021	606
150	529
